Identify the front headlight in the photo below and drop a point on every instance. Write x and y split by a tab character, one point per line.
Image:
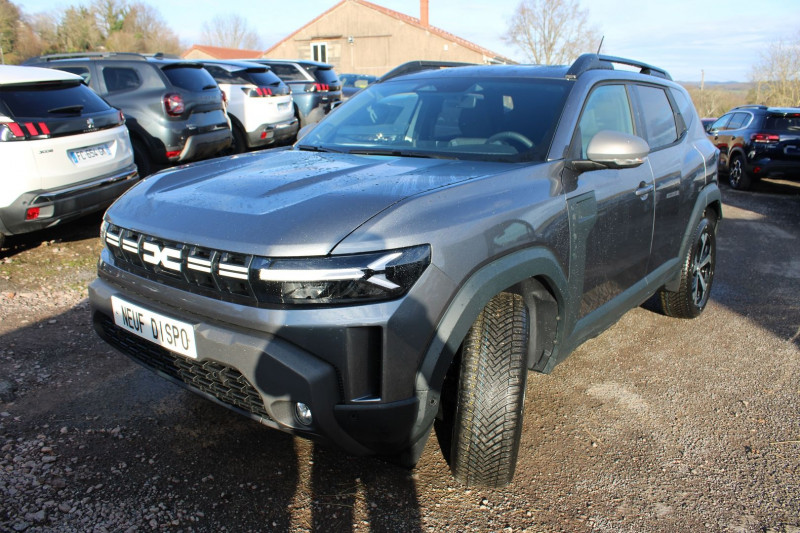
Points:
342	279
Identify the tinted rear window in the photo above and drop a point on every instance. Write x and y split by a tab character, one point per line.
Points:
190	78
261	77
783	123
324	75
51	99
288	72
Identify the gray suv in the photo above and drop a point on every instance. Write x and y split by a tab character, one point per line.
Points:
173	108
420	250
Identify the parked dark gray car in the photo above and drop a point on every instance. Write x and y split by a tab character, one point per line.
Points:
173	108
416	253
315	86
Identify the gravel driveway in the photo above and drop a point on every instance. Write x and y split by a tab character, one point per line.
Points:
656	425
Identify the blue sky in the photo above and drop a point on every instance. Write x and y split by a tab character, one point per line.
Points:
685	37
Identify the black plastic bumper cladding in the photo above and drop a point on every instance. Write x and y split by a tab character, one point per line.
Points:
263	378
67	204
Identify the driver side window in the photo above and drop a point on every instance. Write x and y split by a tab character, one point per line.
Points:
607	108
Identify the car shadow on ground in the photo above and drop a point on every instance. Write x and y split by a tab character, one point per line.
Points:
772	231
126	439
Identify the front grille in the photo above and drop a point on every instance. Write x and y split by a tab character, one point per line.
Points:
226	384
215	273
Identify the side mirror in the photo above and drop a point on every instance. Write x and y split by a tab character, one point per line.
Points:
613	149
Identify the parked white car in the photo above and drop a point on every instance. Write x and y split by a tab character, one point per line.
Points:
65	152
259	104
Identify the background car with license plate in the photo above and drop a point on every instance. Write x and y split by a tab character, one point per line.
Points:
68	151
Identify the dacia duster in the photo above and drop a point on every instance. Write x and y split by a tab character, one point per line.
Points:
407	262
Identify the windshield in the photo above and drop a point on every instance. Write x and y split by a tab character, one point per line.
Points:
498	119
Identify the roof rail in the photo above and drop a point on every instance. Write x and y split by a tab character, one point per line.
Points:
88	55
601	62
411	67
751	106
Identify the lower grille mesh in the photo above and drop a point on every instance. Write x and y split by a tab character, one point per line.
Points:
223	382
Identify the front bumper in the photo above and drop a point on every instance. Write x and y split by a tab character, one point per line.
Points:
61	205
268	134
258	374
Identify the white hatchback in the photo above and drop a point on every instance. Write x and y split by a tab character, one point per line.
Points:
259	104
65	151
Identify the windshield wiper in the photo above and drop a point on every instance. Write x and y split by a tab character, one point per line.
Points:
398	153
77	108
312	148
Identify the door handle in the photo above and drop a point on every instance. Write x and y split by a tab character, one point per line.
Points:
644	190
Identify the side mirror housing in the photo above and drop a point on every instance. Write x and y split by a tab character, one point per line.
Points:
613	149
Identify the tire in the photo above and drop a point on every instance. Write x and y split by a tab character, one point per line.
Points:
2	240
239	142
490	397
697	273
738	177
141	156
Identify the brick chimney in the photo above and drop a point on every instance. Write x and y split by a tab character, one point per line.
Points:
423	12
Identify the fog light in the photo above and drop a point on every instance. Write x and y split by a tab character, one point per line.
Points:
32	213
303	413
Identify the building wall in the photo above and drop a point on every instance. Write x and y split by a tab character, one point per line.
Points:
363	40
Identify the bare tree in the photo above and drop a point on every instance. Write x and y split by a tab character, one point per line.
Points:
551	32
230	31
777	74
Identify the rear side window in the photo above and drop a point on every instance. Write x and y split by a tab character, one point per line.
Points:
783	123
51	99
121	79
189	77
685	106
738	120
288	72
658	117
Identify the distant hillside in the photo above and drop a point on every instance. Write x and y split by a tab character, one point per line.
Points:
736	87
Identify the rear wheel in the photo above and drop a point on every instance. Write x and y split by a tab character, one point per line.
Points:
2	240
238	144
697	274
737	175
490	396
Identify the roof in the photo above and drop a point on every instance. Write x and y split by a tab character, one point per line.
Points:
403	18
233	65
219	52
10	75
304	62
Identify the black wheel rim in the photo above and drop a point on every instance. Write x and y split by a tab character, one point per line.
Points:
702	269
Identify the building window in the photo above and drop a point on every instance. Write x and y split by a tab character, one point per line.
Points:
319	52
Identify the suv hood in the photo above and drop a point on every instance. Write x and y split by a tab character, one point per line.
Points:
283	202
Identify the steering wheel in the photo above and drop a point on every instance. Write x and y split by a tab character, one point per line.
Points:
505	136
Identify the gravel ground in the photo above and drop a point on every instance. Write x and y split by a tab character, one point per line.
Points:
656	425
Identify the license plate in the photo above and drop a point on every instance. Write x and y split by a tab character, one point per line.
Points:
167	332
90	153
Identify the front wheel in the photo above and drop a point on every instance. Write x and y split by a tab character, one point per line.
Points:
697	273
490	397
